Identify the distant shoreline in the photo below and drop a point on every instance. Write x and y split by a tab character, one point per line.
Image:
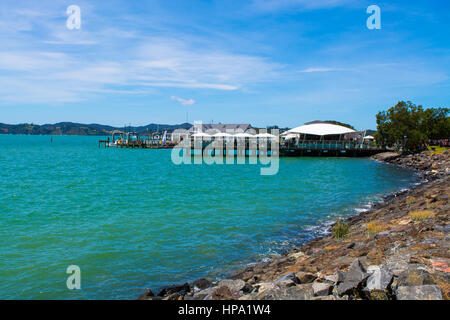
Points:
80	129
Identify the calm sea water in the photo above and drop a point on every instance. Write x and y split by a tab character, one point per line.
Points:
130	219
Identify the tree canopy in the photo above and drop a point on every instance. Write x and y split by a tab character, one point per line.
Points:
409	127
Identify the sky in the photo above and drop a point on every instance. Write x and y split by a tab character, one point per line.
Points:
263	62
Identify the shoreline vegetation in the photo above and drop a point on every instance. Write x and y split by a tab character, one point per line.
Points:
397	250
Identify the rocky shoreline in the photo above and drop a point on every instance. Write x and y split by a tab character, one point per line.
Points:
398	250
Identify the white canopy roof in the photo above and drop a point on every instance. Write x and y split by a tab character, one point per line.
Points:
243	135
321	129
369	138
265	135
222	134
290	136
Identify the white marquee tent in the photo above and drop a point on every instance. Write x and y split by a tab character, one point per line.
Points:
320	129
243	135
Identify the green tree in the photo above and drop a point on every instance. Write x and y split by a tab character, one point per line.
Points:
409	127
436	123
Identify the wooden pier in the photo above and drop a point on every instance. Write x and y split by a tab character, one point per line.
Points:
249	148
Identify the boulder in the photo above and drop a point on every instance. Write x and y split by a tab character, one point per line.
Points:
415	275
205	294
354	278
223	293
321	288
249	296
235	286
380	278
147	295
201	284
183	289
305	277
426	292
336	277
287	280
386	156
299	292
174	296
296	255
264	286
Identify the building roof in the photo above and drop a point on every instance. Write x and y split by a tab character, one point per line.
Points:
201	135
221	127
321	129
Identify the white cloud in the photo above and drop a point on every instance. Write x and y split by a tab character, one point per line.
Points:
184	102
155	62
309	70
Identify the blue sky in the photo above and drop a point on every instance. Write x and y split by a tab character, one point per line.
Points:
262	62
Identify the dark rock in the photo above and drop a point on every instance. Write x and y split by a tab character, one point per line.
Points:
223	293
287	280
183	289
146	295
340	276
354	278
202	283
248	288
305	277
351	245
321	288
426	292
174	296
415	276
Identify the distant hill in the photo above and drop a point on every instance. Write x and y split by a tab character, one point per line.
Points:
70	128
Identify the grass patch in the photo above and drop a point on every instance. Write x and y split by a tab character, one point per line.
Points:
340	230
445	287
373	228
437	149
421	215
410	200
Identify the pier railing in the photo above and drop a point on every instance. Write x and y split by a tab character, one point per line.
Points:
328	145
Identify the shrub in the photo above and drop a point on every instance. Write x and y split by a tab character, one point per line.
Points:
421	215
340	230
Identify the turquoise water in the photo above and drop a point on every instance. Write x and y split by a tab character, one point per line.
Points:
130	219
